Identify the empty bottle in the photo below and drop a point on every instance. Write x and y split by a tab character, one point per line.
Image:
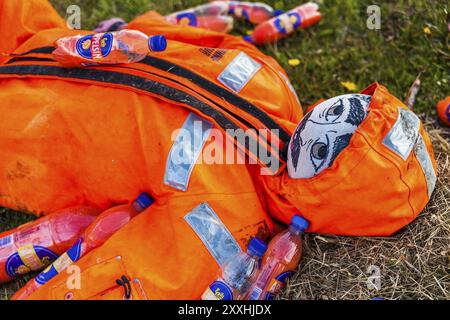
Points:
33	246
124	46
280	261
103	227
238	274
285	24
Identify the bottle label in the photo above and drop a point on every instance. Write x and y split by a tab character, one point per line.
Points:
62	263
95	46
5	241
255	294
187	19
277	284
218	290
28	258
288	22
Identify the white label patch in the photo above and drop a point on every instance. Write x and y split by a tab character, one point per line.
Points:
403	135
185	151
421	152
239	72
214	234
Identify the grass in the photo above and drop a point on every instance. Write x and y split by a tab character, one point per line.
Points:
415	263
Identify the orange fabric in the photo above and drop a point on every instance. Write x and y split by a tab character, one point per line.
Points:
67	142
369	190
21	20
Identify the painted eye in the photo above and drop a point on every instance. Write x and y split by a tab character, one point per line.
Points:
319	154
335	111
319	151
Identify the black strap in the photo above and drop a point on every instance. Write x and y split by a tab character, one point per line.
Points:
217	91
140	83
205	84
26	59
47	50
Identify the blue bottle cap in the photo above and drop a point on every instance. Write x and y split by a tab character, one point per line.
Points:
276	13
248	39
300	223
157	43
257	247
144	201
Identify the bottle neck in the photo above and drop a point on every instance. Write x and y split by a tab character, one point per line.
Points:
137	207
252	254
295	231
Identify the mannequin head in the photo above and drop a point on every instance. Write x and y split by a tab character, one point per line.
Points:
324	133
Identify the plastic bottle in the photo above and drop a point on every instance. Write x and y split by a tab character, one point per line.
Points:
253	12
443	110
281	259
124	46
285	24
215	8
103	227
35	245
238	274
113	24
219	23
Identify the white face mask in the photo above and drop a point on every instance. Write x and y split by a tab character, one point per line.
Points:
324	133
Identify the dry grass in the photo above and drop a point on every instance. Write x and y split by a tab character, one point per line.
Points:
414	264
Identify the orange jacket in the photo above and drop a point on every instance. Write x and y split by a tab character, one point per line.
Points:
101	135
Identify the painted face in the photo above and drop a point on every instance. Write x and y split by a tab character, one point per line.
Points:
324	133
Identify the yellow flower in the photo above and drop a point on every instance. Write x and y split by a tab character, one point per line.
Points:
294	62
427	30
249	32
350	86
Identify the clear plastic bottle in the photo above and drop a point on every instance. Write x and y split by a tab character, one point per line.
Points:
35	245
238	274
124	46
280	262
103	227
285	24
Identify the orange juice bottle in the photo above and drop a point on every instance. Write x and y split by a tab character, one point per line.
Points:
280	261
34	245
119	47
443	110
100	230
253	12
285	24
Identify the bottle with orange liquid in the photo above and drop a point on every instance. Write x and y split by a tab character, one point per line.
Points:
280	261
285	24
210	16
253	12
124	46
217	23
104	226
443	110
33	246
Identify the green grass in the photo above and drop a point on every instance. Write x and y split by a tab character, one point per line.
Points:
340	48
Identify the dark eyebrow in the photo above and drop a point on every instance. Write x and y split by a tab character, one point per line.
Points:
340	144
356	114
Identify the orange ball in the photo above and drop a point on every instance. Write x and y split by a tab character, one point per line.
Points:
443	109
